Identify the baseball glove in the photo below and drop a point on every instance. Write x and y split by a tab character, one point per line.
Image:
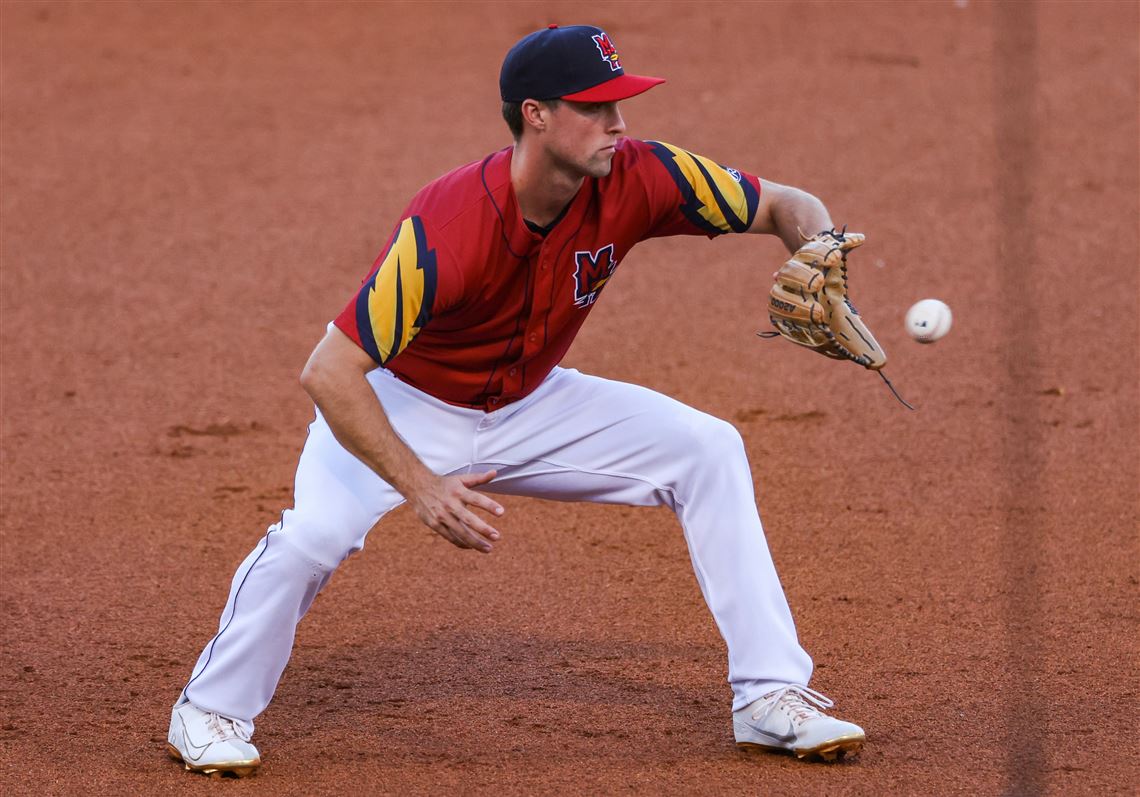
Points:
809	304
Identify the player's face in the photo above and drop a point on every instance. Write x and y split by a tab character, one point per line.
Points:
583	135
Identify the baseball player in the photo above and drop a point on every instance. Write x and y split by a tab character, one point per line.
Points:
438	384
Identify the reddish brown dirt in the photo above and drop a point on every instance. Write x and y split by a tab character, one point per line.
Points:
191	191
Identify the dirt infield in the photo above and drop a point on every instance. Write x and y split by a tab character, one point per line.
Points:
191	191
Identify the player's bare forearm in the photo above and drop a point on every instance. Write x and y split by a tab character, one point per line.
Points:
334	378
785	211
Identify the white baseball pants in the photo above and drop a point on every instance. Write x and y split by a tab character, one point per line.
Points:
575	438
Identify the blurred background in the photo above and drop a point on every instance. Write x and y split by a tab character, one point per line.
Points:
191	191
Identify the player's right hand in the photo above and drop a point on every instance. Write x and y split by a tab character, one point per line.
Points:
442	502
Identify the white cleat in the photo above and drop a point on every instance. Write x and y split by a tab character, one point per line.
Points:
210	743
788	720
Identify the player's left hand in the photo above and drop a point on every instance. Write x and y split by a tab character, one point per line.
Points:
809	304
442	502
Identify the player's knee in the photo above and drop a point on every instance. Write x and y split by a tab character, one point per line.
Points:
704	439
720	440
327	543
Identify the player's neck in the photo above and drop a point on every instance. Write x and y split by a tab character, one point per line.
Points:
542	188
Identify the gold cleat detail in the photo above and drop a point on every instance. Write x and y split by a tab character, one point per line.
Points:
831	750
239	769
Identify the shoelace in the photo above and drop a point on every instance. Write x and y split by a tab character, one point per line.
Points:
799	701
224	728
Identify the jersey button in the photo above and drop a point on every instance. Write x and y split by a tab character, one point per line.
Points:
512	372
532	337
494	400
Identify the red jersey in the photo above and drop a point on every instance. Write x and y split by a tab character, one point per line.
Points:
471	306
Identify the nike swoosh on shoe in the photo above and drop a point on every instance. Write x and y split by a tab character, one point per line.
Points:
194	750
783	738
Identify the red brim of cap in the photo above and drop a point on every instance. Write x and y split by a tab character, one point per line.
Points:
620	88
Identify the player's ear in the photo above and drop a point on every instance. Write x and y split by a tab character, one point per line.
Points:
535	114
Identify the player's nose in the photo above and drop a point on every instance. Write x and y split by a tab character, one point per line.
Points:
616	124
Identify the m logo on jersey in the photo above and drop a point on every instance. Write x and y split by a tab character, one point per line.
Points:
592	272
608	51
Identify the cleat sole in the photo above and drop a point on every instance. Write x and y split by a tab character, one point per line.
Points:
829	751
238	769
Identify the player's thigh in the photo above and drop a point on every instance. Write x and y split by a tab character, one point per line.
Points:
338	499
609	435
540	480
439	433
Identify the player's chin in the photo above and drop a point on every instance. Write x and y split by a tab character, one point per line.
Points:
602	166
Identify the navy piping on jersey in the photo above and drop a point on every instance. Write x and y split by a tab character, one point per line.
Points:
568	241
425	262
545	231
528	306
495	205
528	262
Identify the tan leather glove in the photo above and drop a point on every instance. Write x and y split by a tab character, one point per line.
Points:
809	304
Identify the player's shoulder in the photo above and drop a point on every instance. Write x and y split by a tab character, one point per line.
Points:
457	192
631	168
641	160
631	152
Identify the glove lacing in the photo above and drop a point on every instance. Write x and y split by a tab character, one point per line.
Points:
839	235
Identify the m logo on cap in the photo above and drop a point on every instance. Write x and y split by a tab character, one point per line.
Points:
607	49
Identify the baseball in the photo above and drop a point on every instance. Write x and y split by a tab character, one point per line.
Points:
928	320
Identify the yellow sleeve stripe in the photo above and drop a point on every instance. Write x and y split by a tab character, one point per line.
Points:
716	199
393	306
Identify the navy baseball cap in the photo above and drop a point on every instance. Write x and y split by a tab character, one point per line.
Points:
578	62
